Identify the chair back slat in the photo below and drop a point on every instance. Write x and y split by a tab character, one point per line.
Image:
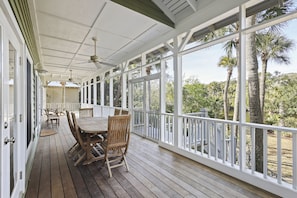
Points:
118	130
77	130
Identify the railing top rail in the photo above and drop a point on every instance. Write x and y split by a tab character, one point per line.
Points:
253	125
209	119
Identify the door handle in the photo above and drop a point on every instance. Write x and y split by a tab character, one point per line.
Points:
9	140
5	125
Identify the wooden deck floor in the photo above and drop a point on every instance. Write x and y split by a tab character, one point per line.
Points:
154	172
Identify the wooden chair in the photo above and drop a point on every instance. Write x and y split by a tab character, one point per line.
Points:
117	111
52	117
85	112
116	144
76	146
86	142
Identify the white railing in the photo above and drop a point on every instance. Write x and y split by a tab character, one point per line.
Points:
167	135
227	146
233	145
146	124
62	107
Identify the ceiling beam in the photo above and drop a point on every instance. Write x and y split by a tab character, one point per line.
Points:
193	4
147	8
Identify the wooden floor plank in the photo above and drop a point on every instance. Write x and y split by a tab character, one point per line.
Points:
137	184
34	178
90	182
56	181
45	177
154	176
154	172
186	174
78	181
68	186
176	180
101	181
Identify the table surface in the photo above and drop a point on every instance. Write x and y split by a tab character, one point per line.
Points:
93	124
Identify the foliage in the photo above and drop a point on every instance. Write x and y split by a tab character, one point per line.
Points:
281	93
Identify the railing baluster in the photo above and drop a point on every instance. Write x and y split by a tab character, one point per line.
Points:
232	146
202	136
253	150
195	135
294	156
189	134
209	136
216	140
185	132
279	157
223	155
264	154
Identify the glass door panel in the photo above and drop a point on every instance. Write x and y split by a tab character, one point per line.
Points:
12	121
146	106
138	107
153	108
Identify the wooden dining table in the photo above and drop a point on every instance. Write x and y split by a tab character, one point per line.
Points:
93	126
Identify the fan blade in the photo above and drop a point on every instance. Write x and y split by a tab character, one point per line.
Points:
98	65
108	64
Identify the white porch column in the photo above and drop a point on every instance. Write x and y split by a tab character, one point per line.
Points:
163	98
102	92
177	63
242	89
124	89
111	92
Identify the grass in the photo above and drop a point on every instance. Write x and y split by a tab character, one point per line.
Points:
286	158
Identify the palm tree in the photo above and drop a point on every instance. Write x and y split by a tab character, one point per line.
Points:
271	46
254	92
229	63
253	78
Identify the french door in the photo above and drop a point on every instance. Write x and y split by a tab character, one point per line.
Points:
10	115
146	106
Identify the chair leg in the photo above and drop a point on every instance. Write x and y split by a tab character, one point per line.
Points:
125	160
80	159
108	167
73	149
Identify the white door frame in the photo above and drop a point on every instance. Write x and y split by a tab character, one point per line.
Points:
144	79
7	35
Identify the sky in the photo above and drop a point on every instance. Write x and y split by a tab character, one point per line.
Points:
203	64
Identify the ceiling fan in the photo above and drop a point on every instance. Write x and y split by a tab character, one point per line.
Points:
71	78
96	60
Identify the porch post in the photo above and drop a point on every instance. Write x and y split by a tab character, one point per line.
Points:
242	89
177	93
102	92
111	90
162	99
124	86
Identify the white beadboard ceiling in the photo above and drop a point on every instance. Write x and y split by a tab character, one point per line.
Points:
64	31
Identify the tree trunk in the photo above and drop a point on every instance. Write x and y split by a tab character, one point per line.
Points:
262	84
236	100
226	105
254	95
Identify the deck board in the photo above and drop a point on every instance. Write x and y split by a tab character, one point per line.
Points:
154	172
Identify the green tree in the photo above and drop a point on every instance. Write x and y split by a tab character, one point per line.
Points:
195	96
253	78
271	46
